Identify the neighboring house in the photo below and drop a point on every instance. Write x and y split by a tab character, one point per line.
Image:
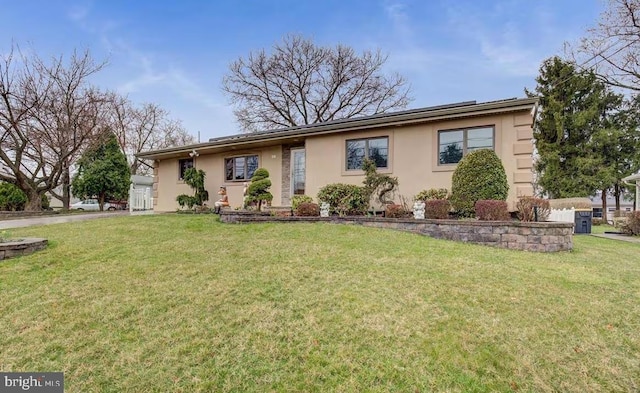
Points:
141	193
626	205
139	182
421	147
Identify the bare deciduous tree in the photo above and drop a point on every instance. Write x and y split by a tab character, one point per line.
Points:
612	47
301	83
145	127
48	113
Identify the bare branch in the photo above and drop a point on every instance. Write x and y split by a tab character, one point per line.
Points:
145	127
48	114
612	48
301	83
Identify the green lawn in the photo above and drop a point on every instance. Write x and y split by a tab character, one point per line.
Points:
181	303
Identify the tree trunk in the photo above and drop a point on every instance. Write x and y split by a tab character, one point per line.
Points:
34	201
616	194
605	217
101	202
66	188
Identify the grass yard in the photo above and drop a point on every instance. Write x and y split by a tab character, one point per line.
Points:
178	303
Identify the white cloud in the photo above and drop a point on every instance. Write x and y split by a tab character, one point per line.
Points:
397	12
79	12
408	52
506	44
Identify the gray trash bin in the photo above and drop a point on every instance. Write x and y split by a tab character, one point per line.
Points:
583	219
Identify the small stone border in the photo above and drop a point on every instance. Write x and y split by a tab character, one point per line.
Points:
513	235
26	246
8	215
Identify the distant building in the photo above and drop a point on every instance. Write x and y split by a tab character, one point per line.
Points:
626	205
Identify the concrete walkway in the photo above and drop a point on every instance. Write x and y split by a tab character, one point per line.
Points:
624	238
35	221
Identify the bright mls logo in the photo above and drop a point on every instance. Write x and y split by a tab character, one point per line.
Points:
32	382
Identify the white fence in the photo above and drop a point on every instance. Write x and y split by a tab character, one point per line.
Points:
564	215
140	199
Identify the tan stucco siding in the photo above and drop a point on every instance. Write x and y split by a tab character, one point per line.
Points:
413	155
169	186
413	158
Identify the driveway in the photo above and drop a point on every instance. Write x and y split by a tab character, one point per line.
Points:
34	221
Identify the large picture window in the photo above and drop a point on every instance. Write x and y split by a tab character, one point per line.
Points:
455	144
376	149
183	165
240	168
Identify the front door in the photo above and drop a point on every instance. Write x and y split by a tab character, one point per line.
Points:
297	171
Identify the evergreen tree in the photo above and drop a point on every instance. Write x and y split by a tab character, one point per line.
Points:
575	108
619	146
103	172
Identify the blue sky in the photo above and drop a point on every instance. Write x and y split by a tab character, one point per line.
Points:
175	53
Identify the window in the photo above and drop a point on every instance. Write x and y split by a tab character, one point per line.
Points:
297	171
240	168
454	144
376	149
597	212
183	165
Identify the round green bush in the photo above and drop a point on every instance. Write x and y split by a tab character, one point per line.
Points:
432	193
296	200
344	199
11	197
260	174
479	176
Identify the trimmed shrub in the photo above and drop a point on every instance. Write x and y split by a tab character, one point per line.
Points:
396	211
620	213
382	186
479	176
568	203
194	178
526	211
437	209
631	224
492	210
344	199
596	221
258	190
620	223
186	200
11	197
432	193
296	200
46	202
308	209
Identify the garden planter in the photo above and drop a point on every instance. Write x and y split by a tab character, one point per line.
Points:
18	247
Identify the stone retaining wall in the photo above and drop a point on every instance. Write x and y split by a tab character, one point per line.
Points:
20	247
514	235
